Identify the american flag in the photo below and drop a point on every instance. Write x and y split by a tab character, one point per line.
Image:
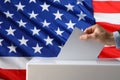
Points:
40	28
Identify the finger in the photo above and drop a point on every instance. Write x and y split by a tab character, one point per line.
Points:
86	36
91	28
88	30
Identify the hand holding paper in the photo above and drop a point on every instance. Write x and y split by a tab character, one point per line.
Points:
76	49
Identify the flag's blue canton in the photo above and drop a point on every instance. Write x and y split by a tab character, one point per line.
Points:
40	27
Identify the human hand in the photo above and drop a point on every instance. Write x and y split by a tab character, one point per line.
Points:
99	34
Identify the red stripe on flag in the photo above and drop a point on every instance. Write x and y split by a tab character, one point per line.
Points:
110	52
106	6
109	27
12	74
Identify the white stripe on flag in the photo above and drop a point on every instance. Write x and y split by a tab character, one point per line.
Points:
113	18
14	62
117	59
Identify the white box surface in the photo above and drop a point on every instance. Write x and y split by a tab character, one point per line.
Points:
73	70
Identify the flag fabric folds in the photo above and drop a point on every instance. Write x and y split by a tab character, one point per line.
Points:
37	28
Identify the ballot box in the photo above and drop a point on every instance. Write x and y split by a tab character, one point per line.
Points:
76	61
52	69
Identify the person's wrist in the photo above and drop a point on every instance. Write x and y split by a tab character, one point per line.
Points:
110	39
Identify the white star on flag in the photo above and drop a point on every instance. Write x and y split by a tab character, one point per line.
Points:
45	23
7	1
80	2
70	25
10	31
37	49
69	7
45	7
23	41
1	42
1	22
33	15
8	14
81	16
12	48
58	15
49	41
35	31
20	6
56	0
81	29
59	32
21	23
32	1
60	47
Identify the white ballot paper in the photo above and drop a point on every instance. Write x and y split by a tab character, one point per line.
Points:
76	49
